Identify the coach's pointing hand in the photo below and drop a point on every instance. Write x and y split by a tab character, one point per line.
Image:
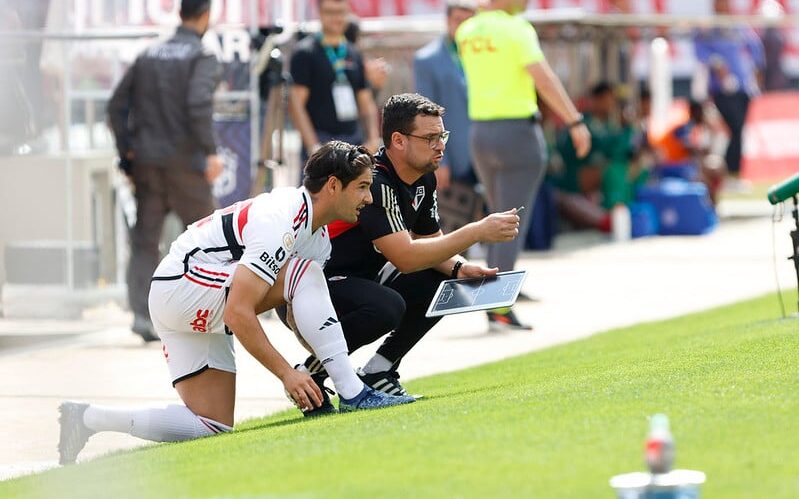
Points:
302	389
499	227
475	270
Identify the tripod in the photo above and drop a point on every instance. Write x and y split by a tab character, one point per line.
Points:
273	85
795	239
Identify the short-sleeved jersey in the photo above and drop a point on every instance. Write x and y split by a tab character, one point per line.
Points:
495	48
396	206
261	233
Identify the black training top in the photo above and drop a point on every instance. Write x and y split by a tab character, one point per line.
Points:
311	67
162	109
396	206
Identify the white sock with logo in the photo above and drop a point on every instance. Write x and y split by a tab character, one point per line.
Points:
172	423
305	289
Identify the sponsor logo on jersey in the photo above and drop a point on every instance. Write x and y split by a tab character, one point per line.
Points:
273	263
418	197
200	323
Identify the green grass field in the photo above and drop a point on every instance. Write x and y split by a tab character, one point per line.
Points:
556	423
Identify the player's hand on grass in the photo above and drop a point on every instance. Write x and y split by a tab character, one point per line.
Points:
474	270
499	227
302	389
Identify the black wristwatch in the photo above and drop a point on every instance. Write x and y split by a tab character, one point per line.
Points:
579	121
456	268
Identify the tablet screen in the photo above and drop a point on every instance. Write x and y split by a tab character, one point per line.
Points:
455	296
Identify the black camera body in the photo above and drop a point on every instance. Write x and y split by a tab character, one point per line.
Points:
272	74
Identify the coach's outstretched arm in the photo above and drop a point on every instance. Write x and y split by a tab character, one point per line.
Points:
249	295
411	255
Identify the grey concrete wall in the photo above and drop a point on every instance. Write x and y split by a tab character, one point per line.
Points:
33	203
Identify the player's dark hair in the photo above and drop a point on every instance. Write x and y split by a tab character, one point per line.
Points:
401	110
339	159
192	9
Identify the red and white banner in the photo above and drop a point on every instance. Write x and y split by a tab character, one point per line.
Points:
85	15
771	148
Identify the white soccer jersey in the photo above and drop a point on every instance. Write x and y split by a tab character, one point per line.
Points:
261	233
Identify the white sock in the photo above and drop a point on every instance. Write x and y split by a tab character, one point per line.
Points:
172	423
317	323
339	368
377	364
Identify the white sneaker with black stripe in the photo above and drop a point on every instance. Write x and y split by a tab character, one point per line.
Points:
384	381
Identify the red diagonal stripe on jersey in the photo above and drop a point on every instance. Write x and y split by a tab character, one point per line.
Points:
195	281
244	215
303	211
211	272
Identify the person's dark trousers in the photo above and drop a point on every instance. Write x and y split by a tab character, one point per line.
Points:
366	309
510	159
733	109
369	310
160	190
417	289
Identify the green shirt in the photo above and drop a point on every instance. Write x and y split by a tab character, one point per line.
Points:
495	48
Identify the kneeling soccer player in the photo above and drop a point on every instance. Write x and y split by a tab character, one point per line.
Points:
218	276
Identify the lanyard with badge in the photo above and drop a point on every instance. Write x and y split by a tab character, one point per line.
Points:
343	95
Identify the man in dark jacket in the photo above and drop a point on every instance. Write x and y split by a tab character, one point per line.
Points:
161	117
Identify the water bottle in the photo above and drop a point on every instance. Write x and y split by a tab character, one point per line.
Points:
621	222
659	445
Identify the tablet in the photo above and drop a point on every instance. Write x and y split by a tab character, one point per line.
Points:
456	296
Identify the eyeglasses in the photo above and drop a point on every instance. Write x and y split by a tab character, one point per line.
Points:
432	140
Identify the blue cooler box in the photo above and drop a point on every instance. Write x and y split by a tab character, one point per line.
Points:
644	219
683	208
